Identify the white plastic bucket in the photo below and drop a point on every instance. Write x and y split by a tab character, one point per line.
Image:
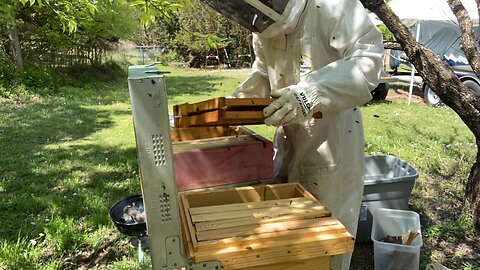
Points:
396	223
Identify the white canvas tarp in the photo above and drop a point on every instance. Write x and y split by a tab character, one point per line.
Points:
438	27
435	26
413	11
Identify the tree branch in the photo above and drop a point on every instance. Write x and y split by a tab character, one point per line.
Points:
467	34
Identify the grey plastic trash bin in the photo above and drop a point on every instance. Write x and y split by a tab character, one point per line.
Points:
388	184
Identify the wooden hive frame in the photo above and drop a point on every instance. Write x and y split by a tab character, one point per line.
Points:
223	111
277	226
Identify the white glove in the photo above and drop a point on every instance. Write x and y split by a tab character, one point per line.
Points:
294	105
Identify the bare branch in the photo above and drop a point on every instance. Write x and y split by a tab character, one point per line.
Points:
393	45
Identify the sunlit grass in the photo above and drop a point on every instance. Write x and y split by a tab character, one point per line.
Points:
66	159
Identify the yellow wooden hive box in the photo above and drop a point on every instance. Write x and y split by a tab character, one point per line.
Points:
278	226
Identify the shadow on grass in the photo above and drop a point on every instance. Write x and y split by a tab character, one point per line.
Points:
53	173
438	196
195	85
49	169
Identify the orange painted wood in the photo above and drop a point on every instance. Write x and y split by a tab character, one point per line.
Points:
189	134
221	118
223	112
222	103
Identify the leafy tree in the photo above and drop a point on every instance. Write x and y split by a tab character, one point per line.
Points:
197	31
155	11
82	28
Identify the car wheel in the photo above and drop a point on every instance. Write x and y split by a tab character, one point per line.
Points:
472	85
431	98
380	93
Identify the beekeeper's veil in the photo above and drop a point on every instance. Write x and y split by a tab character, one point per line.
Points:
267	18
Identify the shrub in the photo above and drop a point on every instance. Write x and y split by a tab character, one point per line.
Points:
35	81
9	74
41	81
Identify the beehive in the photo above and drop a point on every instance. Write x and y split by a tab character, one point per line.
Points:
278	226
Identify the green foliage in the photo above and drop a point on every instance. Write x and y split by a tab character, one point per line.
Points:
387	35
154	11
66	11
8	72
20	254
197	31
37	81
63	235
63	33
69	157
6	16
92	74
168	58
40	79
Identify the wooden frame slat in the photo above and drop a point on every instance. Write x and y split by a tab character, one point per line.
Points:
220	118
188	221
271	240
222	103
263	213
228	223
251	205
243	231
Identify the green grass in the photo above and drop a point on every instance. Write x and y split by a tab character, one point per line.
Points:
66	159
438	144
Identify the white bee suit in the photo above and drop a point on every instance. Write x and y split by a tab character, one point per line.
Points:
341	54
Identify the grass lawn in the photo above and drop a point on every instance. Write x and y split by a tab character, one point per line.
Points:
66	159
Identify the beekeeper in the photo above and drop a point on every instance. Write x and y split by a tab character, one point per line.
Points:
315	56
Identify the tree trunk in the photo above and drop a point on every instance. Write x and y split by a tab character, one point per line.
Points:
440	77
15	46
473	188
470	48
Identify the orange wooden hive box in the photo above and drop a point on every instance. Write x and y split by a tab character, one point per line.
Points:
278	226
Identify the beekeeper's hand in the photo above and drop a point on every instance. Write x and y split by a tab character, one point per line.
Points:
295	104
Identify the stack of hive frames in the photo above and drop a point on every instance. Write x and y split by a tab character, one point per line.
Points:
279	226
221	111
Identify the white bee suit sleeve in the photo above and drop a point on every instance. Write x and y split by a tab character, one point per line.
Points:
344	52
258	84
345	77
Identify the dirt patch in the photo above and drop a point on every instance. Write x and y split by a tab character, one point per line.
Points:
400	92
86	259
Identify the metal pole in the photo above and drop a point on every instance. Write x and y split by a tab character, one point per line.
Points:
412	79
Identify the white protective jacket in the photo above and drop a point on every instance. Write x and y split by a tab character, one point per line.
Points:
341	55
